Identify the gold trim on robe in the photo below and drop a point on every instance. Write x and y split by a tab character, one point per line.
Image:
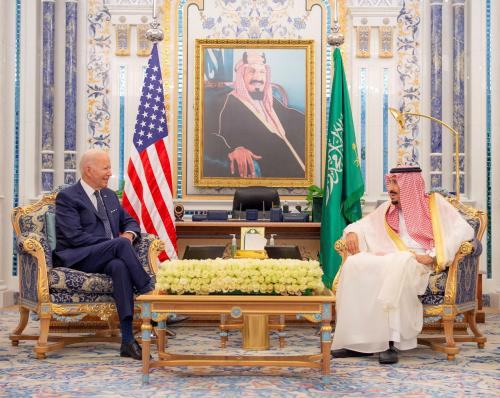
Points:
437	232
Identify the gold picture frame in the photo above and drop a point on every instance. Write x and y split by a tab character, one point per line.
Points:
254	109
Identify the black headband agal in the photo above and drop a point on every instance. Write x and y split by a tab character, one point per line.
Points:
409	169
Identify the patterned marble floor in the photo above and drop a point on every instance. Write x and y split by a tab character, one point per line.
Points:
98	371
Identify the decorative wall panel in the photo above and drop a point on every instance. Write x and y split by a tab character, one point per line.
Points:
386	34
458	81
98	85
70	93
363	41
122	39
436	91
261	19
408	70
143	44
48	44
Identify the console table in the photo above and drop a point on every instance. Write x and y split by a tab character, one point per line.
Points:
303	234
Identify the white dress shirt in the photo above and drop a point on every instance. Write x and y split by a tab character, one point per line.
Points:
90	193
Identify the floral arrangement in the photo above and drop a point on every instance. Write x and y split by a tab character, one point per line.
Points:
240	276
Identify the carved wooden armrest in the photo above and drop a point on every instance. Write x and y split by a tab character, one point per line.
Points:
31	245
148	249
341	248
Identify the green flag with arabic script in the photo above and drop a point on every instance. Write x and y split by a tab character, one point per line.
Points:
343	186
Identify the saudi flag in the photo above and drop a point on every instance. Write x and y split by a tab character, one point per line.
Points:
343	185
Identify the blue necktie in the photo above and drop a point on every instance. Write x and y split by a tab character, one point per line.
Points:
103	214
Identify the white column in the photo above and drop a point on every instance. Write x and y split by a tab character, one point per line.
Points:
30	118
493	285
7	38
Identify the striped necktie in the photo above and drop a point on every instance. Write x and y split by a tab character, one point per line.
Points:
103	214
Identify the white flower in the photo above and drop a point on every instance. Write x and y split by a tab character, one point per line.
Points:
282	276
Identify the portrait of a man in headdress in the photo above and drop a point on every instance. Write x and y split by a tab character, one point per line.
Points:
250	130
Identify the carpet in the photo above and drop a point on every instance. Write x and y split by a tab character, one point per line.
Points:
97	370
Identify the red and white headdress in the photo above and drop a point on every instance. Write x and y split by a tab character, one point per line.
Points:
414	204
240	91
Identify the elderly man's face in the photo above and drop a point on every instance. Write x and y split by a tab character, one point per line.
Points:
98	171
394	191
254	77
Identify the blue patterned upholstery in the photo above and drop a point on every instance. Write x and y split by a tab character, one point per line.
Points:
432	299
67	297
435	290
466	280
74	281
28	276
142	249
466	272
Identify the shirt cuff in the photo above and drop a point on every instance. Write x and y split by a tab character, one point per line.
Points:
133	233
431	252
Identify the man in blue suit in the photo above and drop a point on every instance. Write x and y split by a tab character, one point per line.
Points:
95	234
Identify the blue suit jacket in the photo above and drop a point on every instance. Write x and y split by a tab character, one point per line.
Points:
78	225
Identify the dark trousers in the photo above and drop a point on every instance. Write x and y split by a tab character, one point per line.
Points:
118	259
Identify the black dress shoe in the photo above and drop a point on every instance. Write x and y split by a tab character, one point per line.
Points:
177	319
346	353
389	356
131	350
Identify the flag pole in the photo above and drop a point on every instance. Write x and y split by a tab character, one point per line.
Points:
343	182
154	33
336	38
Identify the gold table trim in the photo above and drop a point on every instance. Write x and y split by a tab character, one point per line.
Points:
249	305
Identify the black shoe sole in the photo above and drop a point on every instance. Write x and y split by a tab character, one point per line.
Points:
130	356
387	362
349	354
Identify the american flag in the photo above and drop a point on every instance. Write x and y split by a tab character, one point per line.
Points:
148	184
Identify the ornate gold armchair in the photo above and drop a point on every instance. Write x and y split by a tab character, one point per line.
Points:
451	292
63	299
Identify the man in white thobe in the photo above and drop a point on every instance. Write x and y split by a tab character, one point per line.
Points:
394	249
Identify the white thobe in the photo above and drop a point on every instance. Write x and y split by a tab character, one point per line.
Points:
378	289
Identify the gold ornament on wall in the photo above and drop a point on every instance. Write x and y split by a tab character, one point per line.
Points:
143	44
122	39
385	34
363	41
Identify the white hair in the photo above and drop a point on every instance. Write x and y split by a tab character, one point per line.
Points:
89	157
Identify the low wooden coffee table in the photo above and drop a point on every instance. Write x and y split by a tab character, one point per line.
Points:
158	307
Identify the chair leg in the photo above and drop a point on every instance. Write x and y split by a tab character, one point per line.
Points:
223	333
450	347
470	316
41	345
113	326
23	321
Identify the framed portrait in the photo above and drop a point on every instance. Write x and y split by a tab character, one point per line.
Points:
254	122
